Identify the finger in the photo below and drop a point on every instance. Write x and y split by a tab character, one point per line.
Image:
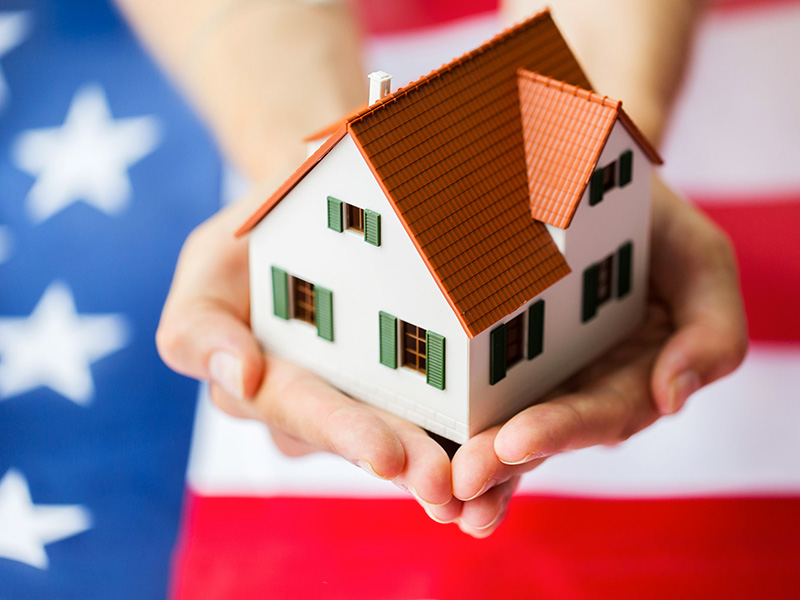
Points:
204	329
427	473
702	297
482	516
477	469
607	411
205	341
305	407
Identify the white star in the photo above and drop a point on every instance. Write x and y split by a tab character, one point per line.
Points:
55	346
13	29
25	529
87	158
5	243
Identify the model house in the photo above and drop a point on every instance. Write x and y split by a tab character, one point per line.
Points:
460	246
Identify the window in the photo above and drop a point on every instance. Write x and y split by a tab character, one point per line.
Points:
598	280
342	215
618	173
421	350
514	340
355	218
295	298
506	341
413	344
303	303
605	273
609	176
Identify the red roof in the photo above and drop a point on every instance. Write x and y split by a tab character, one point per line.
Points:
448	151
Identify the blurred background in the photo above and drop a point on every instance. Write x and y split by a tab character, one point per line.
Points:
116	481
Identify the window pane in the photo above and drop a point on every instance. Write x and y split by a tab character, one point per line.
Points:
514	341
303	302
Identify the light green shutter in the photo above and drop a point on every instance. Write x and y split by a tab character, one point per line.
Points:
497	354
590	282
335	214
372	227
535	329
596	187
387	325
434	367
280	293
625	260
323	308
625	168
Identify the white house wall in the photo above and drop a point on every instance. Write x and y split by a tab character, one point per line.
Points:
364	279
595	232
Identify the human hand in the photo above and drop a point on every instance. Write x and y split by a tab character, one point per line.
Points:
694	334
204	333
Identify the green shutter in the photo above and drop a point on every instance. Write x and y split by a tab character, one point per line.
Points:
535	329
335	214
372	227
280	293
323	308
596	187
625	168
434	360
625	258
387	325
497	354
590	281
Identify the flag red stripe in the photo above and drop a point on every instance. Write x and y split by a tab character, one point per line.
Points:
549	547
765	235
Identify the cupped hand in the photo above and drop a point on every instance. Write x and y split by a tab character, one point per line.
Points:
694	334
204	333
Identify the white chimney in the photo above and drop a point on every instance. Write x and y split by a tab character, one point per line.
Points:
380	84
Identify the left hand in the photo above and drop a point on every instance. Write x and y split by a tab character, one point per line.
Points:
694	334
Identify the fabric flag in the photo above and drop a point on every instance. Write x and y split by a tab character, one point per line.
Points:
704	504
104	171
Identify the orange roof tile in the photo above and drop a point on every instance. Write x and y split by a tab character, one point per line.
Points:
565	129
448	150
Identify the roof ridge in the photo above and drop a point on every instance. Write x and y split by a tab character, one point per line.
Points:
568	88
447	67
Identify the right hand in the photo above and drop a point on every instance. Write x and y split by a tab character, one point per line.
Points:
205	333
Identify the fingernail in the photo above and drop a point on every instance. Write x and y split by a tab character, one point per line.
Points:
227	372
482	527
433	516
683	386
528	458
487	485
410	489
364	465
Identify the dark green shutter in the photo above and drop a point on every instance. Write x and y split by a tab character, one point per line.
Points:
434	360
535	329
335	214
497	354
280	293
372	227
590	281
387	325
323	308
625	258
596	187
625	168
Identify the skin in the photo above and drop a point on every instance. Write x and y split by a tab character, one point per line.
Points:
236	64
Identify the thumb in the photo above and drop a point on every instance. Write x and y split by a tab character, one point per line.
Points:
206	342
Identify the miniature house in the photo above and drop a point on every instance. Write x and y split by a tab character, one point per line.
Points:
464	244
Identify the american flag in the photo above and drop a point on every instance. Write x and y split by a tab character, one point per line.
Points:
104	171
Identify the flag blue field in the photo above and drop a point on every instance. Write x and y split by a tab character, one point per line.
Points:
103	172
